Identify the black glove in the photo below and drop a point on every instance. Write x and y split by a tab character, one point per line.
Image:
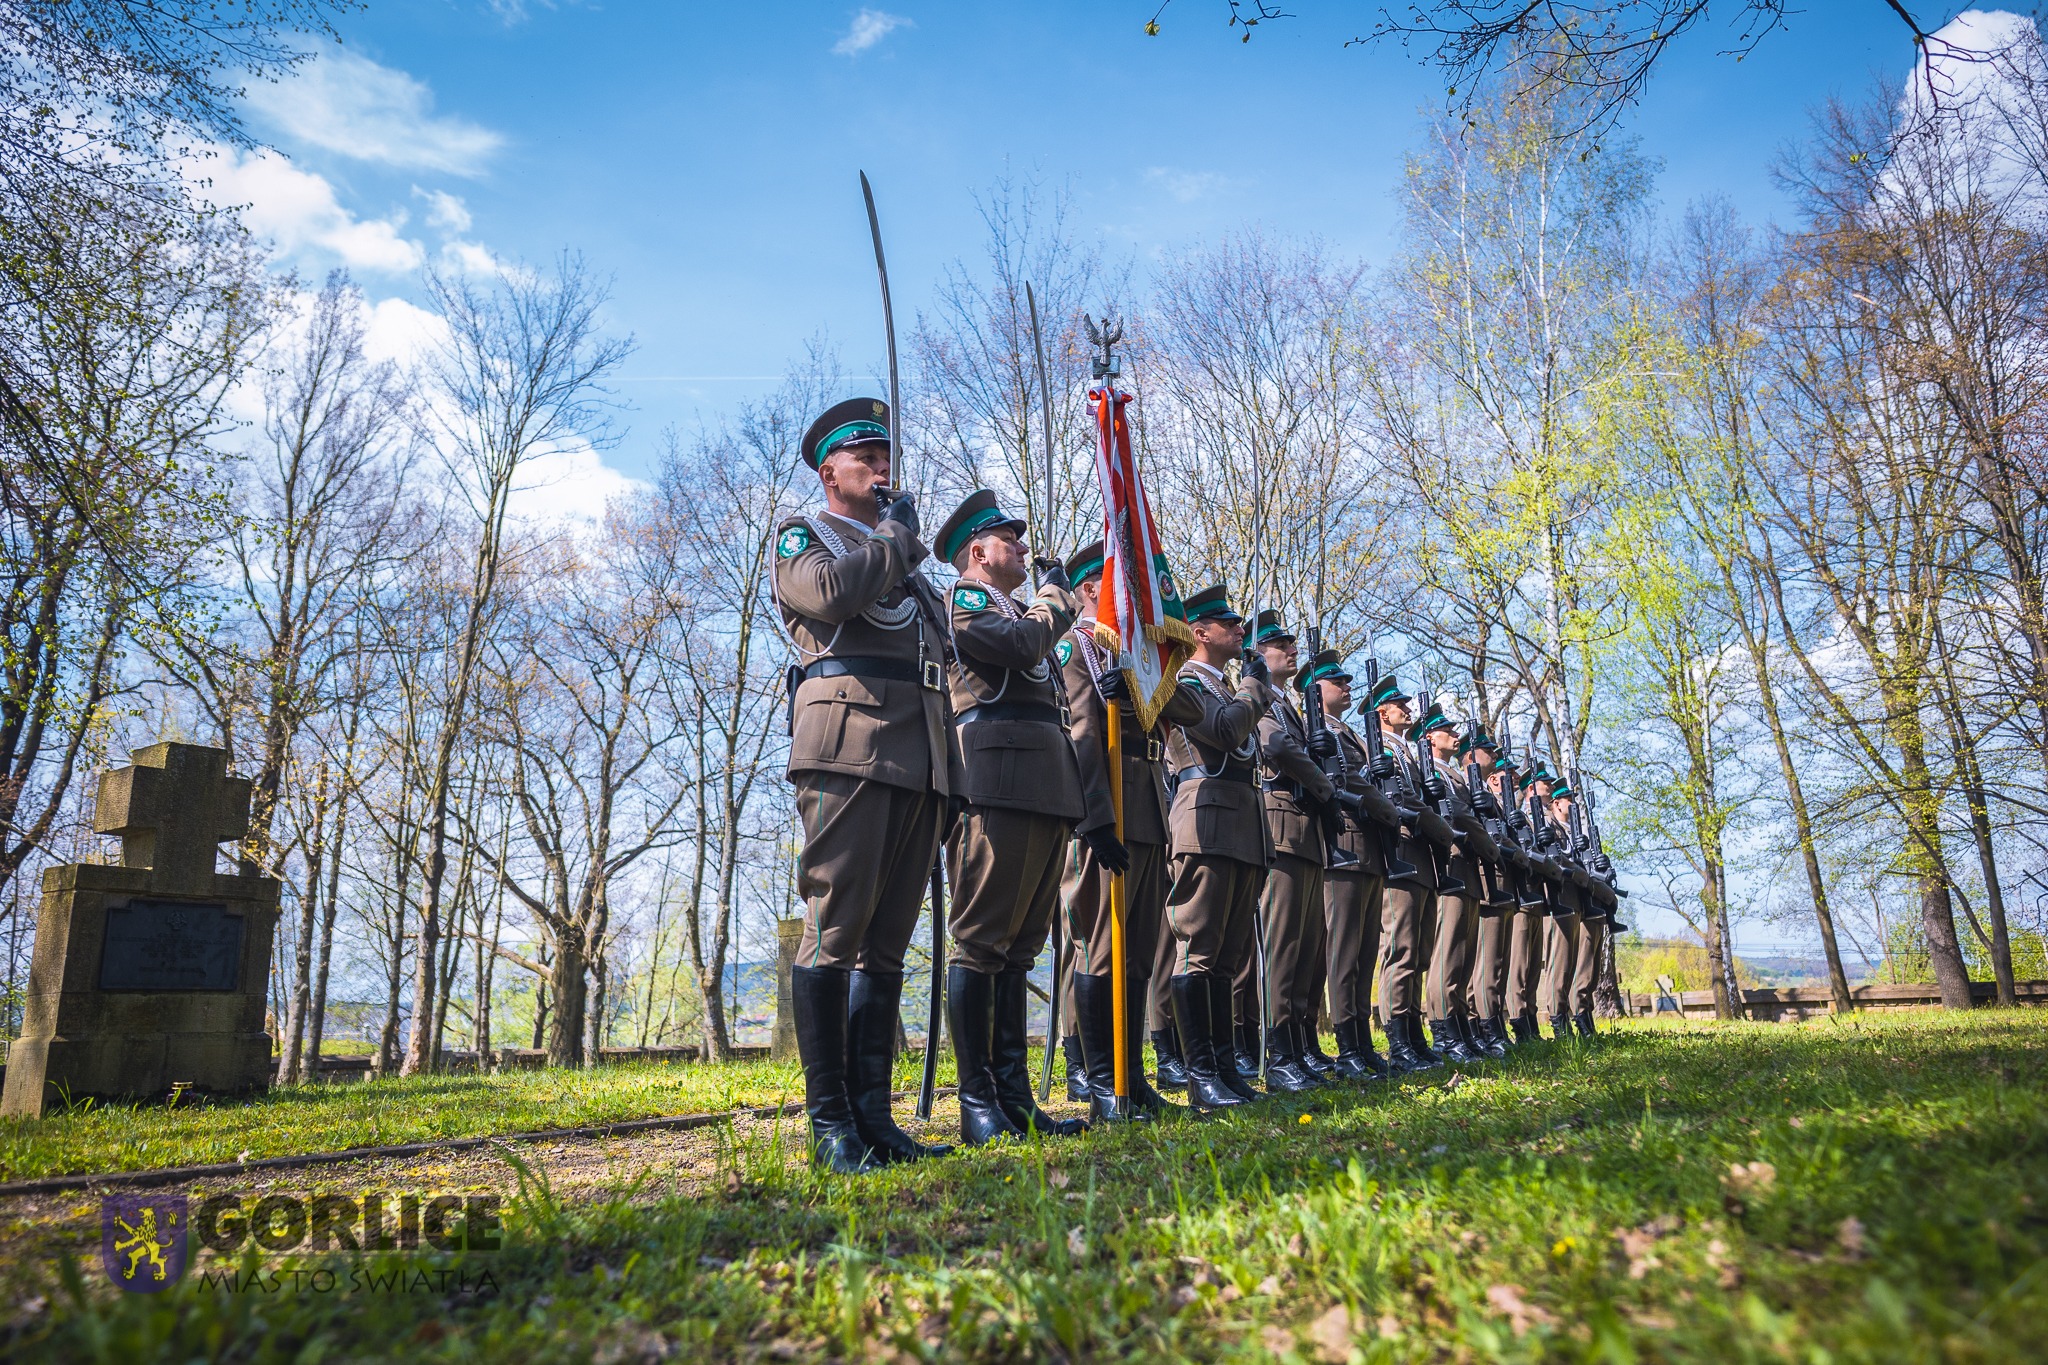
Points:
1113	686
1323	747
1107	848
902	510
1255	666
1046	570
1382	767
1603	864
1433	789
1483	802
1352	802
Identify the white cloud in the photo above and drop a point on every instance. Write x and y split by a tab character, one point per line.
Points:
1186	186
473	258
402	332
568	488
351	105
870	26
444	210
297	210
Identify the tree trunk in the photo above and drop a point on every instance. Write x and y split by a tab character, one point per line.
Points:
1937	908
289	1068
1710	896
566	986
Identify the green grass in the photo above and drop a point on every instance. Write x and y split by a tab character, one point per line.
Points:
1575	1204
332	1116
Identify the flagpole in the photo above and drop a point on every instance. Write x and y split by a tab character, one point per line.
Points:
1119	987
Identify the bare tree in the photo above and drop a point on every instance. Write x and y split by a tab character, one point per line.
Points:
521	372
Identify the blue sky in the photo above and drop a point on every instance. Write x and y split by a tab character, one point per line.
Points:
706	155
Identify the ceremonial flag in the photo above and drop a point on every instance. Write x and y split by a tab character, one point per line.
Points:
1140	618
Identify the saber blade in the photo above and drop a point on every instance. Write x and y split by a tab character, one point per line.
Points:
867	193
1044	414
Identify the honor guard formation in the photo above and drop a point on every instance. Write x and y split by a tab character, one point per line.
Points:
1288	833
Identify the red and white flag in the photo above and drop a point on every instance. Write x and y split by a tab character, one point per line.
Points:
1140	618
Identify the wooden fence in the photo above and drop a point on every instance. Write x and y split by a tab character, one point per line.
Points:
1792	1003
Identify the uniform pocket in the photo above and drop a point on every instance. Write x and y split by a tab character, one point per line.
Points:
1005	761
838	716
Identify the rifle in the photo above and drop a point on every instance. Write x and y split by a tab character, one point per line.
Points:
1376	758
1432	789
1529	890
1315	725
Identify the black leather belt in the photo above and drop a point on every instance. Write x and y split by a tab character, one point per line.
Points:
1154	749
1229	774
1037	712
929	675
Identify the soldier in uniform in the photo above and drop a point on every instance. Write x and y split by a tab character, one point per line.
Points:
1596	924
873	759
1220	849
1532	916
1023	795
1296	792
1351	895
1408	904
1497	911
1569	903
1096	687
1457	911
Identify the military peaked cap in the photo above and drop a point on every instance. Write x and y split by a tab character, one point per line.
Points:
857	421
1436	719
1086	563
1270	630
1477	738
1387	689
1327	664
1211	604
977	514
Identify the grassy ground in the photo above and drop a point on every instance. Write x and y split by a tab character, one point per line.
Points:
1873	1190
329	1117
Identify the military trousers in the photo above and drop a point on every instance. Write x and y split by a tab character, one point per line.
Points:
1407	930
1211	906
1004	866
1351	918
1586	965
1525	961
1450	957
1490	952
1159	1008
1086	893
1560	961
867	859
1293	922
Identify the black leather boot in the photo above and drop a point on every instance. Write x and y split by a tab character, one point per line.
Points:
1425	1058
1487	1038
872	1001
818	998
1284	1072
1077	1067
1378	1064
1010	1062
1445	1042
1401	1058
1206	1089
1245	1047
1311	1053
1172	1070
1533	1032
970	1017
1561	1027
1136	992
1523	1034
1584	1019
1230	1063
1350	1066
1095	1003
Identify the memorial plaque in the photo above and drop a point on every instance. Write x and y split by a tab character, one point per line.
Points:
154	945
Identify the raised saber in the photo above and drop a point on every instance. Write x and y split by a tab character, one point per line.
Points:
927	1089
1060	943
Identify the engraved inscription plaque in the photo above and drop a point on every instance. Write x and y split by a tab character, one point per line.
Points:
154	945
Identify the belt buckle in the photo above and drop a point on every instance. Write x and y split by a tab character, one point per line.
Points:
930	675
1155	749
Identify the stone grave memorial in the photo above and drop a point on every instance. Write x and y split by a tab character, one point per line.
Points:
150	975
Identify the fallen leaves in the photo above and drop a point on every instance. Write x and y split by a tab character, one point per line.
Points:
1332	1333
1746	1181
1850	1238
1506	1301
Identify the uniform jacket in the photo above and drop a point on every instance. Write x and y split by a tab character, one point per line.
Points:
1285	765
1002	657
1216	808
866	603
1366	846
1144	756
1569	892
1475	845
1424	835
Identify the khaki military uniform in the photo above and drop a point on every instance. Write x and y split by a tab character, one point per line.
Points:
1216	826
1292	903
1351	897
1408	904
1023	788
1086	887
871	752
1494	945
1595	928
1562	935
1457	915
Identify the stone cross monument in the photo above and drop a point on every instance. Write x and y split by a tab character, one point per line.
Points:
154	973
